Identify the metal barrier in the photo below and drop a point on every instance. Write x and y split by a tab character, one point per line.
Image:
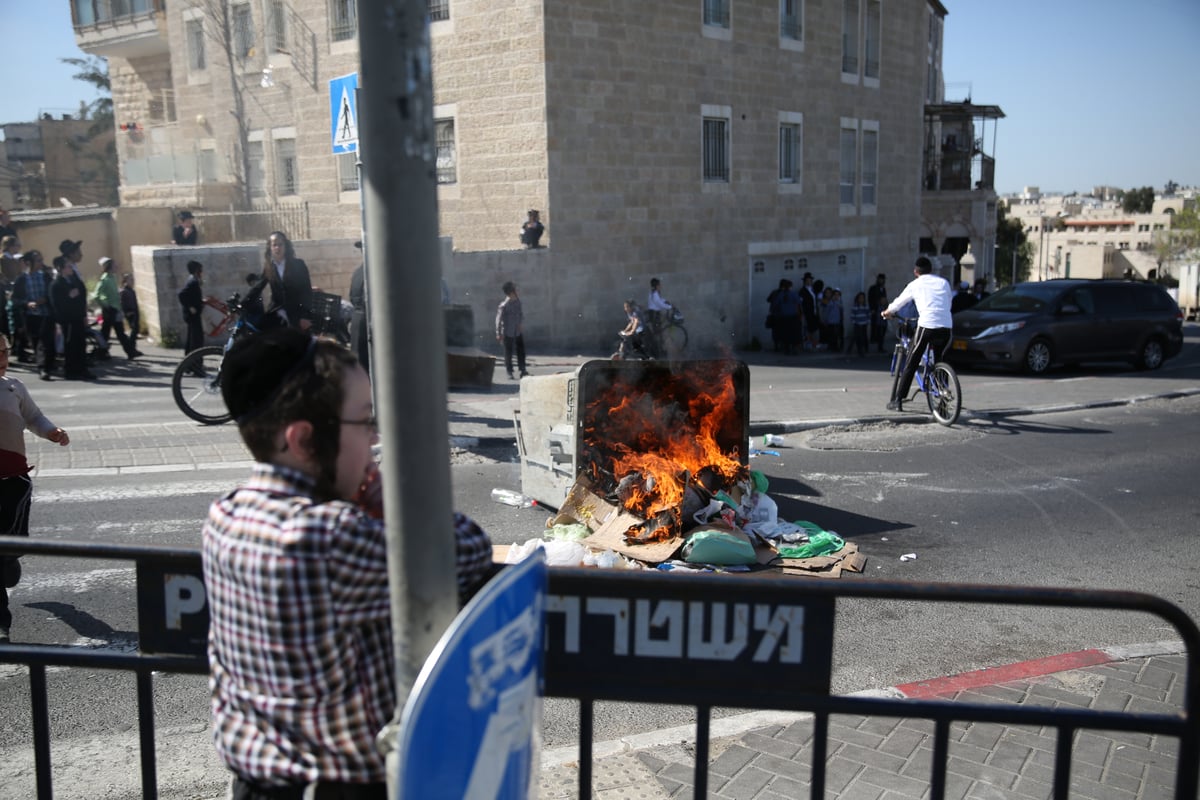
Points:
647	638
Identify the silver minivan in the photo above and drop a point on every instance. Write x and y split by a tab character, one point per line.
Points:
1033	326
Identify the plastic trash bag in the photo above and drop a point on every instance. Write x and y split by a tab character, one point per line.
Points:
819	544
719	547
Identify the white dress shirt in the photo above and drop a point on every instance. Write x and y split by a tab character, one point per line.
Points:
932	296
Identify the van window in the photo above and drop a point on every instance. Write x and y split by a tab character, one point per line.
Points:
1081	297
1151	298
1113	298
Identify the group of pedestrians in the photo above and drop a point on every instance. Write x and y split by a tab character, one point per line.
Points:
47	308
811	318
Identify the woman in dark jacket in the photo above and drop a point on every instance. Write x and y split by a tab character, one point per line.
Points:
291	286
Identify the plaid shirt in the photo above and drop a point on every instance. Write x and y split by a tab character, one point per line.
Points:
300	647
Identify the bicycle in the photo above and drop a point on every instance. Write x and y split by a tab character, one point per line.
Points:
196	384
936	379
669	338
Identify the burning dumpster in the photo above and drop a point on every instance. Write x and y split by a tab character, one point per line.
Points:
642	429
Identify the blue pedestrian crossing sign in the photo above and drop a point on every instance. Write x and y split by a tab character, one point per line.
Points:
343	113
472	726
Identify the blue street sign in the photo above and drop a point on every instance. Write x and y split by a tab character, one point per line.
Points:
472	726
343	113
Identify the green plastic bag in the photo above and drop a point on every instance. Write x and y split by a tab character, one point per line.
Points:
819	544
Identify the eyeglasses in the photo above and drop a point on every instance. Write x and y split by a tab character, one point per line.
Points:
369	423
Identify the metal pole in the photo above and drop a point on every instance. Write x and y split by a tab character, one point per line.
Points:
400	192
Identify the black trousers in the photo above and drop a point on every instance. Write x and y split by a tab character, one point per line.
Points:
75	347
517	344
245	790
15	494
936	338
110	323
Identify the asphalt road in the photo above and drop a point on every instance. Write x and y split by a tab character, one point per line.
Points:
1102	497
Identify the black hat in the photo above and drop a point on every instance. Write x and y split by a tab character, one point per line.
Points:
193	267
257	366
185	215
358	244
66	246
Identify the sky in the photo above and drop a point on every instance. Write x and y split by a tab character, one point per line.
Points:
1094	92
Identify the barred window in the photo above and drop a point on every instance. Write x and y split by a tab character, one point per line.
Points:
850	37
873	33
286	178
347	164
789	153
447	153
277	27
439	10
256	176
790	19
243	31
870	165
849	161
716	13
716	150
195	45
343	19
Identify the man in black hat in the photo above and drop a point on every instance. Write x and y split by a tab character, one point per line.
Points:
68	299
359	331
185	231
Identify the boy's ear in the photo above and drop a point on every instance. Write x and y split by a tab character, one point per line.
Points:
297	438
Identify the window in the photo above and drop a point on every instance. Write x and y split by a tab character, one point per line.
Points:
716	149
870	163
256	176
243	31
790	139
716	13
791	24
850	37
447	152
439	10
276	27
343	19
207	166
871	40
194	31
849	162
347	164
286	178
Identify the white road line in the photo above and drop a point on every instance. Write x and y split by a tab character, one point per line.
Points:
88	494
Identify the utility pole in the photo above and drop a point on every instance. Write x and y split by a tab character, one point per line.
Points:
401	219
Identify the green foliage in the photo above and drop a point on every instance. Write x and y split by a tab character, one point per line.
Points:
103	169
1010	238
170	338
1138	201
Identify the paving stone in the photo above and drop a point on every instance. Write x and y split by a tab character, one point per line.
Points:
858	790
1009	755
981	772
903	742
783	786
1154	675
859	737
746	784
798	732
902	785
839	772
730	762
759	743
779	766
982	735
1091	790
865	755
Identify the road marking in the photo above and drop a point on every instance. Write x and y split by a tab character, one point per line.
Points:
86	494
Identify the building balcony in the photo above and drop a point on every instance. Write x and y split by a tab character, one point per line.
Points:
121	28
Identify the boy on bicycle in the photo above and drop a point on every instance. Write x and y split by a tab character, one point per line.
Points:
935	327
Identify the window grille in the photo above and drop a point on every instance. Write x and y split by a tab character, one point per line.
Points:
343	22
850	37
716	150
195	44
870	166
243	31
286	179
874	11
447	153
256	178
849	147
277	27
716	13
347	172
789	153
439	10
789	19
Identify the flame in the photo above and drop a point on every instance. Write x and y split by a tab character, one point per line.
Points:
645	440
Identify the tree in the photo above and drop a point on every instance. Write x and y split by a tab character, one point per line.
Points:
1010	238
94	71
1138	201
1179	243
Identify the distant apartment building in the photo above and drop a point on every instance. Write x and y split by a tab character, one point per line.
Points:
1089	236
54	162
719	145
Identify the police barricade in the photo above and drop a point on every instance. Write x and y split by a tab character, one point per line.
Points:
648	638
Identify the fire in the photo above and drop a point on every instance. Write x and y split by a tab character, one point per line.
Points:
649	439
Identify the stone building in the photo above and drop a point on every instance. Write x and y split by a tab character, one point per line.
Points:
718	145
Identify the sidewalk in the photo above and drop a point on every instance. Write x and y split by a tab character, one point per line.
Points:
767	755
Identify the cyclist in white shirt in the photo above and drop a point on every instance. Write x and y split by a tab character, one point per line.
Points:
932	296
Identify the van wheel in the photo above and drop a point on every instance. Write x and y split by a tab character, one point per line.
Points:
1151	354
1038	357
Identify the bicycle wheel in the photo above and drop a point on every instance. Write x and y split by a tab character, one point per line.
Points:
673	341
196	386
944	394
899	355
